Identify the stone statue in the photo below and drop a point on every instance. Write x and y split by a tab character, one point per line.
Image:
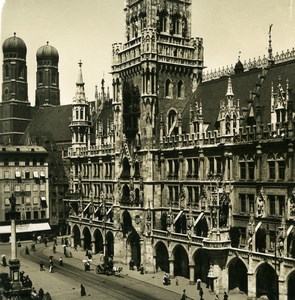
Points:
12	201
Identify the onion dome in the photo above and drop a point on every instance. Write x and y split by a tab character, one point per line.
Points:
14	44
47	52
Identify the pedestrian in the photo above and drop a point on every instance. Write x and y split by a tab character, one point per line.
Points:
61	261
65	250
199	284
86	253
141	269
4	263
83	291
201	293
27	250
176	281
41	266
131	264
62	240
41	293
216	297
45	242
75	248
54	249
225	296
183	295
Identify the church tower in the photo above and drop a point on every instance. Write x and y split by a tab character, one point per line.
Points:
47	77
14	108
156	70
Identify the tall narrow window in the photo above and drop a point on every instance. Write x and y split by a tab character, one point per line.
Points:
281	167
271	167
40	81
242	164
6	71
180	89
168	88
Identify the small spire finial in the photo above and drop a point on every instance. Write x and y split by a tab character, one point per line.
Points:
239	56
47	42
14	34
270	57
80	63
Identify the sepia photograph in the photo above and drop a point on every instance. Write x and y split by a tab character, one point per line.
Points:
147	149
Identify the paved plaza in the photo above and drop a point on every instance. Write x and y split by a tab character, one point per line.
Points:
60	289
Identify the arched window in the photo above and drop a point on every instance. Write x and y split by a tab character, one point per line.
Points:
172	122
40	77
21	72
6	71
227	125
168	88
77	113
53	77
180	89
81	113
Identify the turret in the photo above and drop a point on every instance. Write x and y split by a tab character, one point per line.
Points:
80	124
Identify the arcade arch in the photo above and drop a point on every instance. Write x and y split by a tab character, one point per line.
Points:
181	262
162	257
237	275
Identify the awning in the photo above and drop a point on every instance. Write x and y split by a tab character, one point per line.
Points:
86	206
17	174
200	216
110	209
35	174
25	228
178	216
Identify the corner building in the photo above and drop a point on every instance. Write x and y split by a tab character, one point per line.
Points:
183	171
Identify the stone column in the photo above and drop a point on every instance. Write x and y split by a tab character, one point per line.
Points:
251	281
192	274
171	268
82	243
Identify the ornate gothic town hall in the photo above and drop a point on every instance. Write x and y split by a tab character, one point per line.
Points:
183	171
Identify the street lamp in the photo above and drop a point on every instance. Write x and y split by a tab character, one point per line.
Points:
104	220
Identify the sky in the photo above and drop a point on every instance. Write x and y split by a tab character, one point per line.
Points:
87	29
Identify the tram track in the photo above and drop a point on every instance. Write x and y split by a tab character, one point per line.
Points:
114	287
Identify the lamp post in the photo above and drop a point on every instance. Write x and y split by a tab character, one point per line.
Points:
104	220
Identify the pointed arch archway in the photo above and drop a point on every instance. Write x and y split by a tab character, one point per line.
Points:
266	282
202	265
127	223
76	235
125	194
133	242
181	267
87	238
109	244
126	168
162	257
237	275
98	241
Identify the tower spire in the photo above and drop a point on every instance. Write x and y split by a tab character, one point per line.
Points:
80	92
270	56
229	92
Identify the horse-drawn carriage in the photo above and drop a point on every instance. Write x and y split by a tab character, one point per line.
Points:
108	269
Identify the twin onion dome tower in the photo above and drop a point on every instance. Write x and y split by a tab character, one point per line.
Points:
16	112
15	85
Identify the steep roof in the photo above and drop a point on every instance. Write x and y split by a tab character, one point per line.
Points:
51	122
211	92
